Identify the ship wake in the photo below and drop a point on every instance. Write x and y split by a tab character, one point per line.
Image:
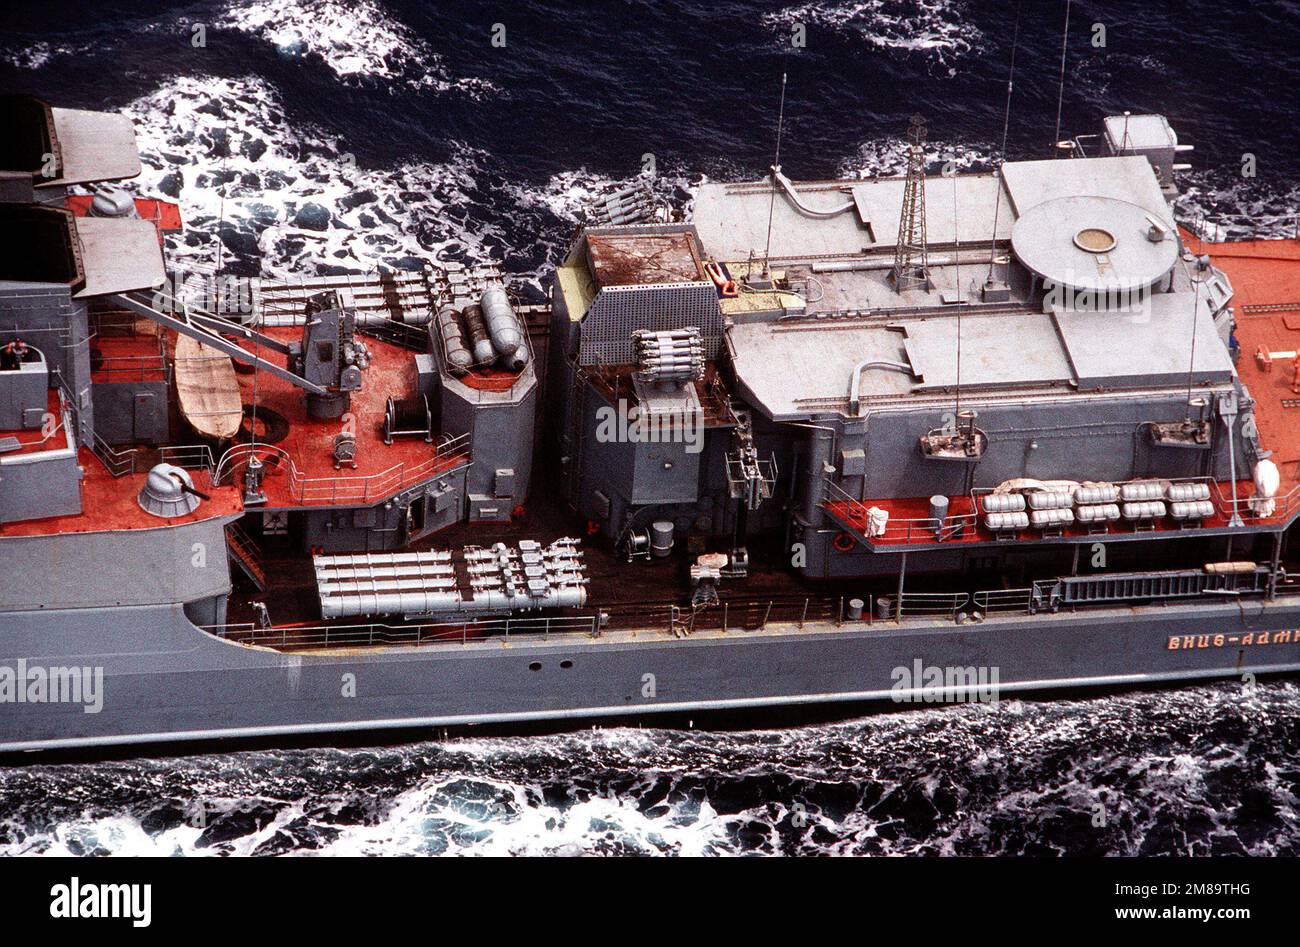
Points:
1194	771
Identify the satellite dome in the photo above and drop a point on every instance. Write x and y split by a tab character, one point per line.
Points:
164	492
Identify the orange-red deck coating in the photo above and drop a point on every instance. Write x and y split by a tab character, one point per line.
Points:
164	215
128	358
1262	273
109	503
1266	273
310	442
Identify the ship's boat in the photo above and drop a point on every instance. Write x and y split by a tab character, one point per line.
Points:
207	391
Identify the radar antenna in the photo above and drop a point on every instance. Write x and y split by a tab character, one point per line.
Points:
911	260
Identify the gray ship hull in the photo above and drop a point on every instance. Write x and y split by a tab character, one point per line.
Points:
164	680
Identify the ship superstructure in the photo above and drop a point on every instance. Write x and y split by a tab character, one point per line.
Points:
1017	419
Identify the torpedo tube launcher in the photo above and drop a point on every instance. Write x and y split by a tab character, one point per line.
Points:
501	581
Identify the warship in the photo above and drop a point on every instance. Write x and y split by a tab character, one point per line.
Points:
926	437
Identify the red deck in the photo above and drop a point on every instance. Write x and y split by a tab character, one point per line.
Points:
1266	273
130	357
1265	276
165	215
909	523
382	469
109	503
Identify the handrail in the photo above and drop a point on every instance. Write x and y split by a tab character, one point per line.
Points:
926	527
351	489
379	633
899	529
1226	506
955	606
118	463
1002	600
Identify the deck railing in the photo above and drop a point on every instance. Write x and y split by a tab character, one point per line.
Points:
930	529
118	463
1002	600
901	529
342	489
825	615
134	460
377	634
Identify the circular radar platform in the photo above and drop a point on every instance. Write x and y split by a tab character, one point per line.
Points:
1094	244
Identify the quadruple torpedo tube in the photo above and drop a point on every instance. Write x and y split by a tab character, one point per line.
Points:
502	580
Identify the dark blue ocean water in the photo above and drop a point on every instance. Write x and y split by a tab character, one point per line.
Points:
323	135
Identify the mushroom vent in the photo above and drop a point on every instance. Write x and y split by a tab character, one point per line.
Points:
167	492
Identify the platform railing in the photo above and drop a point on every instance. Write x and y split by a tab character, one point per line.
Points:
901	529
134	460
930	529
1002	600
342	489
190	457
1284	504
377	634
817	615
1220	495
119	463
126	368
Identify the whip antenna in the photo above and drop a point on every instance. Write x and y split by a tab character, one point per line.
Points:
776	168
1060	96
1002	155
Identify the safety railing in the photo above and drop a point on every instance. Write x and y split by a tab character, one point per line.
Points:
1248	507
134	460
1284	505
119	463
377	634
190	457
1002	600
932	604
818	615
343	489
902	529
125	368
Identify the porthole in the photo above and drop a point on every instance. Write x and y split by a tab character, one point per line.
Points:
566	664
535	666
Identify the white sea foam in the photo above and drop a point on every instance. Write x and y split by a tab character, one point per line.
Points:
885	157
290	199
356	39
1192	770
1220	207
935	29
39	54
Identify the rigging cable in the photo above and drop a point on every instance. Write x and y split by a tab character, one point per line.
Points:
1002	156
776	164
1060	96
956	258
